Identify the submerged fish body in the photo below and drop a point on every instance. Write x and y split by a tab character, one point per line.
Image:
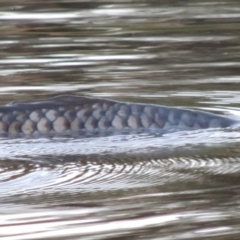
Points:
83	116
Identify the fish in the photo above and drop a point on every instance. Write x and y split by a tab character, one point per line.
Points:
81	116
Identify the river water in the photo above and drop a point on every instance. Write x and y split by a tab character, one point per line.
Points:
177	186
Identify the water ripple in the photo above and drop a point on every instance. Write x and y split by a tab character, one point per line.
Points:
109	172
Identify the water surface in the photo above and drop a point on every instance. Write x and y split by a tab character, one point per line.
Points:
177	186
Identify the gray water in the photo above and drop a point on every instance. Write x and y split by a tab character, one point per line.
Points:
177	186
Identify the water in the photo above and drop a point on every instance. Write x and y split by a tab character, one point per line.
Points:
177	186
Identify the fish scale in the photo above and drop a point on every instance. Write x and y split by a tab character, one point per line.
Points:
83	116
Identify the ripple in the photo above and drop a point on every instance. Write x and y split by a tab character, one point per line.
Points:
114	163
109	172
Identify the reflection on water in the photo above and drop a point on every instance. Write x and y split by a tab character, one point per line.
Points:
115	197
177	186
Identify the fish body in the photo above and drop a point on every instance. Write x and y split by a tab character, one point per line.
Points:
84	116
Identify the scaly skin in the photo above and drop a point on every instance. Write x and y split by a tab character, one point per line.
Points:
83	116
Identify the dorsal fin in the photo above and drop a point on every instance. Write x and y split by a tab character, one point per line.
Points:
61	100
66	99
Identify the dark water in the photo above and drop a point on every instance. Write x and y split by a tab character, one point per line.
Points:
177	53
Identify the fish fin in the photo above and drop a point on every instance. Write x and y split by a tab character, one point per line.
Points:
60	100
